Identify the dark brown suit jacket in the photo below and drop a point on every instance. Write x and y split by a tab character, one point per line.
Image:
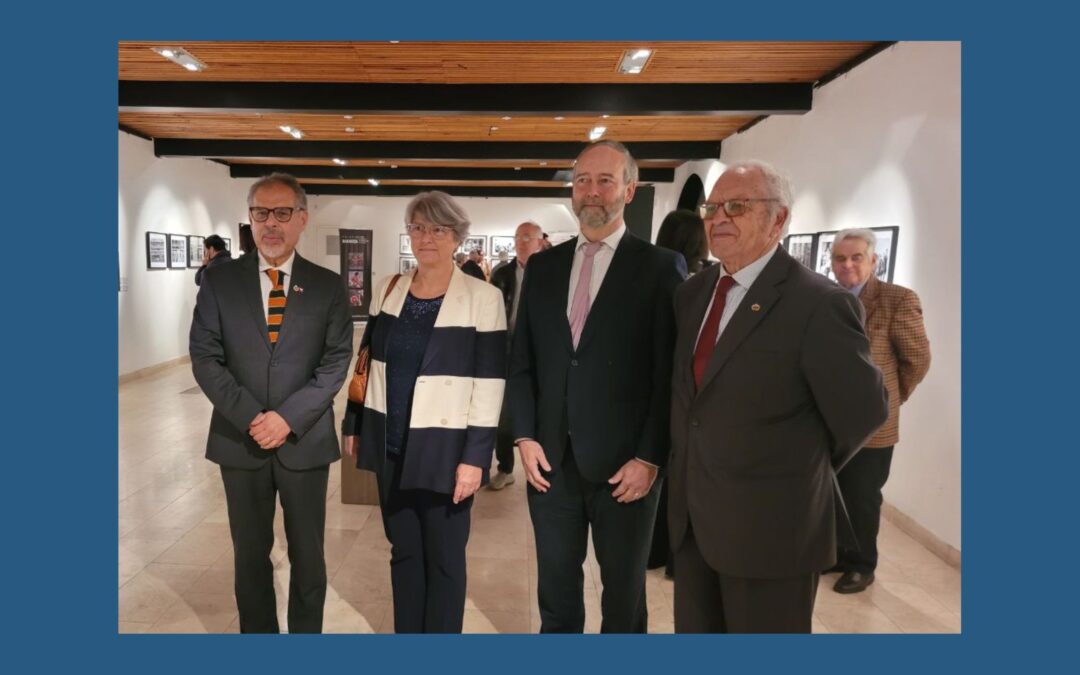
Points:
789	396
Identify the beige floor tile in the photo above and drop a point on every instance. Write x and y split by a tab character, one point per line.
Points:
198	613
149	593
855	619
344	616
366	580
133	627
488	621
496	585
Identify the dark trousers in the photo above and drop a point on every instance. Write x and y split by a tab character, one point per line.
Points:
504	441
709	602
861	481
428	534
621	535
251	497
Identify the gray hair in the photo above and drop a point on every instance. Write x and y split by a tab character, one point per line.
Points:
439	208
278	178
777	184
630	170
858	233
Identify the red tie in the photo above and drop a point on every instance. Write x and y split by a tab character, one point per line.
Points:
707	341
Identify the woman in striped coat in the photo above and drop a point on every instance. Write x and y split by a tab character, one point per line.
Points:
428	421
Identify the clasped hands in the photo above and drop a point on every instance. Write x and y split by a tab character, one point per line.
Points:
269	430
633	480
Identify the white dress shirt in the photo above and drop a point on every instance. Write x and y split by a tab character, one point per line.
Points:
601	263
267	285
744	278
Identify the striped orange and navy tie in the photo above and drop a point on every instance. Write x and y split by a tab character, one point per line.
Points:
276	311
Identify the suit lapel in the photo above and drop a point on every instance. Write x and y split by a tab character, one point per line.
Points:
251	289
456	302
618	278
756	304
869	297
560	289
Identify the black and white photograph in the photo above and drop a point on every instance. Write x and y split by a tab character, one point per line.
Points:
195	250
178	251
228	244
801	247
500	243
886	252
406	264
472	243
157	251
404	245
824	254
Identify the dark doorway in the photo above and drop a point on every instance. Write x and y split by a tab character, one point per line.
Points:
693	194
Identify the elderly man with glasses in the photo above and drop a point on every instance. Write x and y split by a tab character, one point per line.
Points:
773	391
271	342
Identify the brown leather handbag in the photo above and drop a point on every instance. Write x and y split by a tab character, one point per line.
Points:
358	384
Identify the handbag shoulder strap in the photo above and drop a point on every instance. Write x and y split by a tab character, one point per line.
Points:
393	282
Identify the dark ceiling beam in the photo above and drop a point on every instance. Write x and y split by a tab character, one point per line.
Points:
457	191
206	147
425	173
466	99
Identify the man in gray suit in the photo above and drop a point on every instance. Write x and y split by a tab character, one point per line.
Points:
773	390
271	342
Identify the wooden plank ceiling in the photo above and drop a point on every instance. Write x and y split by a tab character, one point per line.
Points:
470	117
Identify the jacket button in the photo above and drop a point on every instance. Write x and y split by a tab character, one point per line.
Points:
443	421
573	362
448	383
694	422
274	362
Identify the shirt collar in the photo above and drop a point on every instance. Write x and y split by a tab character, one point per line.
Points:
285	267
749	274
612	240
857	290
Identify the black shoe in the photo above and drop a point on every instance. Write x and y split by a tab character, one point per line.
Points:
854	582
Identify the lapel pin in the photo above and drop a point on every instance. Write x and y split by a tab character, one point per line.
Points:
755	307
297	289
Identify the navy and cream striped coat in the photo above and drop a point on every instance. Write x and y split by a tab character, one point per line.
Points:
458	394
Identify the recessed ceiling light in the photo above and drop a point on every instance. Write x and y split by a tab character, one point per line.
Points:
393	166
181	57
517	168
349	130
382	161
568	184
394	42
559	117
543	163
634	60
348	117
605	116
493	128
374	183
596	133
340	162
507	118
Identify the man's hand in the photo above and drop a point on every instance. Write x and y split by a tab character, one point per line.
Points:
467	482
206	257
350	444
634	481
533	459
269	430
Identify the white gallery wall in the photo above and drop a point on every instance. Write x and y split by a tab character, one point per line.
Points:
172	196
881	147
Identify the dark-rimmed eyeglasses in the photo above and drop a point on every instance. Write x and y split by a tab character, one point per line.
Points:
282	214
732	207
437	232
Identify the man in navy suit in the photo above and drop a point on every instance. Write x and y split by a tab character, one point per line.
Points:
589	388
271	342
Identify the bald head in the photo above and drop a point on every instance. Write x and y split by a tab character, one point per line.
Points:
528	239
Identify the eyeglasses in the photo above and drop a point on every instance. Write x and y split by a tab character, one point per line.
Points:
282	214
437	232
525	238
732	207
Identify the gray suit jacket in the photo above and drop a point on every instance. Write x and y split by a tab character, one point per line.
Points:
243	375
789	395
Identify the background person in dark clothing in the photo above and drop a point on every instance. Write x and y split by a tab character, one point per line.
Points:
214	253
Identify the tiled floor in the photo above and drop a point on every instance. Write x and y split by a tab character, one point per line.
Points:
175	557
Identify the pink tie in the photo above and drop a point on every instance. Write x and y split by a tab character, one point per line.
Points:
579	308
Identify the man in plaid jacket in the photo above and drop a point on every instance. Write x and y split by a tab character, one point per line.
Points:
898	346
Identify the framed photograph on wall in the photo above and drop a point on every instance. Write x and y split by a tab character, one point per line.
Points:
228	244
499	244
406	264
177	251
886	252
157	251
195	250
801	247
404	245
823	254
472	243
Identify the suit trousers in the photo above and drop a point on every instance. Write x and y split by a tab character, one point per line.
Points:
621	536
251	497
504	441
707	601
427	534
861	481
